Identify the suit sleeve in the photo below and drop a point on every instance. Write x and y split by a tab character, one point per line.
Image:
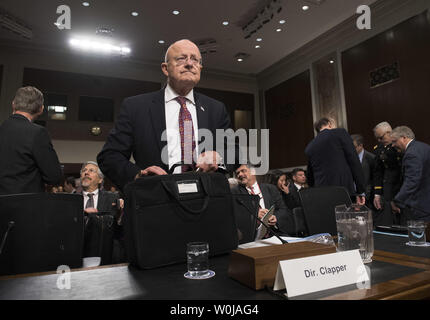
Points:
353	162
282	213
46	158
114	159
231	147
378	176
310	175
413	169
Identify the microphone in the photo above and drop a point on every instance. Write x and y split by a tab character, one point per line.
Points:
10	225
261	221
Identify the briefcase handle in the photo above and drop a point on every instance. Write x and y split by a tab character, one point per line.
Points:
203	178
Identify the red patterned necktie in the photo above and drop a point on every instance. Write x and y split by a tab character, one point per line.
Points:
186	131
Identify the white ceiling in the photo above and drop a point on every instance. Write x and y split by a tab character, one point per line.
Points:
199	19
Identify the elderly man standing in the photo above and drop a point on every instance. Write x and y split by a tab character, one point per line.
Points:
161	128
387	175
28	161
414	194
103	213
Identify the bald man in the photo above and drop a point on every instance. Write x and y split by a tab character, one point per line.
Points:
161	128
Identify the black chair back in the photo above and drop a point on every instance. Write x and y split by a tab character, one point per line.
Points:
245	209
40	232
299	223
319	208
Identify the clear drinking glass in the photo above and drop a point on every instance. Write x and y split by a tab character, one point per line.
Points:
417	233
355	230
198	261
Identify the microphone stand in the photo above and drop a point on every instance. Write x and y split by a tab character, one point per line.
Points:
261	221
10	225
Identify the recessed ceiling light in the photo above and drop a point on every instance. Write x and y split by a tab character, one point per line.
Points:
86	4
304	8
175	12
257	46
161	41
134	14
259	39
225	23
331	61
282	21
278	30
240	60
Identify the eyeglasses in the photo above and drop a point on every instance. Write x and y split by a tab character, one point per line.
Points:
183	59
91	170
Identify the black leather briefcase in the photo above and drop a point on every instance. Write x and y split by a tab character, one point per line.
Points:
163	213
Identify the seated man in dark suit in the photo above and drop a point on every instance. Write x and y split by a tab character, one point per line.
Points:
368	163
290	191
269	195
414	195
103	211
28	161
333	160
163	128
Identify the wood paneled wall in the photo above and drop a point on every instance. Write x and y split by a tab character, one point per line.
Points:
405	101
232	100
289	118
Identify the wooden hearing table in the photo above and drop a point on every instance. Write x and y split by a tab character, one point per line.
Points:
397	272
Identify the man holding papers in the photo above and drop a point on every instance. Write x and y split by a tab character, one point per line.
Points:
269	196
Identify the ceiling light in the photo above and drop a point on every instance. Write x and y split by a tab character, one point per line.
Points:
225	23
161	41
278	30
304	8
259	39
86	4
257	46
331	61
98	46
240	59
282	21
134	14
176	12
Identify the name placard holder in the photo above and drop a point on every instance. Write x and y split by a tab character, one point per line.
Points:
317	273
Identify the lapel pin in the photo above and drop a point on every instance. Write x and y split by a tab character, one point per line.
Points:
203	109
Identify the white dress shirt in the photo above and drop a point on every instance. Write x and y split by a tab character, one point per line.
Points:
255	189
95	197
172	108
298	186
360	156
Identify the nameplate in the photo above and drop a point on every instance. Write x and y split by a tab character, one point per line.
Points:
187	187
317	273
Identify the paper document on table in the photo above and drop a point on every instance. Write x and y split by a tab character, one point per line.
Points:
268	242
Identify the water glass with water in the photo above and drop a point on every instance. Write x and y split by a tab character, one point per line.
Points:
197	259
417	233
355	230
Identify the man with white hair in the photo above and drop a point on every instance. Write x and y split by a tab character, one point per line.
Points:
161	128
414	195
103	211
387	175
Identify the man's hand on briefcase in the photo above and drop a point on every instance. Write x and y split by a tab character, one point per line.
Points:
208	161
151	171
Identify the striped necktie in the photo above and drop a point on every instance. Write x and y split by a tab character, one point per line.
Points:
186	131
90	202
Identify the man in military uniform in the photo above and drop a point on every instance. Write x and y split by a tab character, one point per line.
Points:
387	176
